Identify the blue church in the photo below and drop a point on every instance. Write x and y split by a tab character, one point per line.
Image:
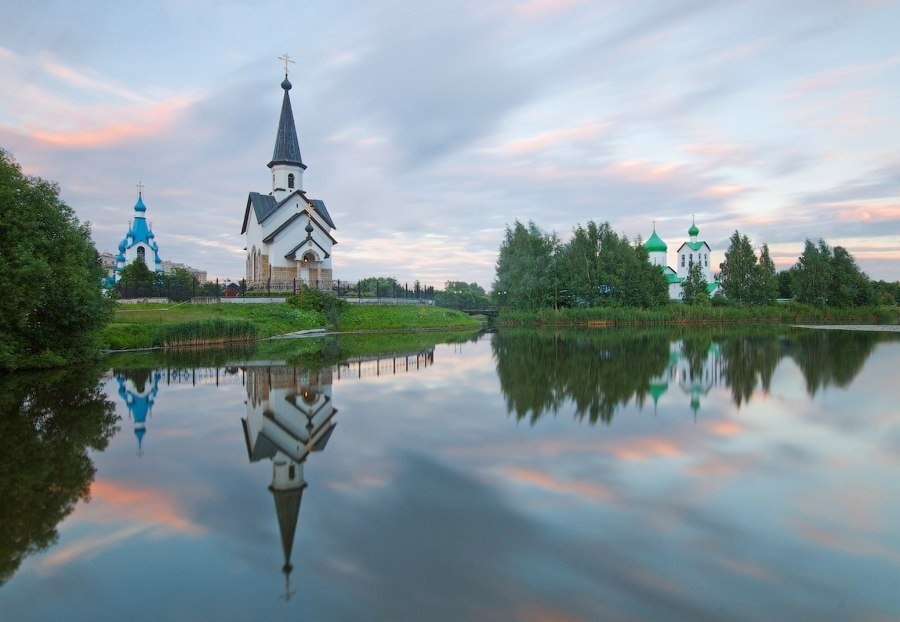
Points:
139	242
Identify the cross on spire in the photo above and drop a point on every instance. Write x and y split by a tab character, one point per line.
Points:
286	59
140	187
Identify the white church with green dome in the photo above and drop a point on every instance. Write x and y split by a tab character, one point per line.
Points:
692	250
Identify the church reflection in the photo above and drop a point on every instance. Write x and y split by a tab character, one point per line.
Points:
290	414
138	389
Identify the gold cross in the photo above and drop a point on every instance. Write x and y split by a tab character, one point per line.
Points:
286	59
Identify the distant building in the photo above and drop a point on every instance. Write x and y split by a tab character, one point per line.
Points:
287	234
690	251
139	241
170	266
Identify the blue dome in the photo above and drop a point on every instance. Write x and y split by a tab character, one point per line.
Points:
139	206
122	246
286	85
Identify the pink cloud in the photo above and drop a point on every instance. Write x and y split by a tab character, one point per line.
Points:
541	479
549	139
647	447
111	501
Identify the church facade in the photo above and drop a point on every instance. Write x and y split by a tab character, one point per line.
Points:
288	235
691	250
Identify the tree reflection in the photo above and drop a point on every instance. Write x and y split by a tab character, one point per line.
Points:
601	371
833	357
48	422
598	371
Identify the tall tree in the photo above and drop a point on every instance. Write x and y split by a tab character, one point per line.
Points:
812	273
765	281
693	289
137	272
52	305
849	285
737	271
526	274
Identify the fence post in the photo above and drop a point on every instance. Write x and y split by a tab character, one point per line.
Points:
295	286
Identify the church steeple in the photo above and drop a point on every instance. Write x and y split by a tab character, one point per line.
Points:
287	165
287	145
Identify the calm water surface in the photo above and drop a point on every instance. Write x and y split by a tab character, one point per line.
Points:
602	475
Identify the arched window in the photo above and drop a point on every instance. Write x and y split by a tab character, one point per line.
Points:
682	260
291	180
140	252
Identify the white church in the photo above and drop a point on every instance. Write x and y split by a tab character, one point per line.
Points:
288	235
692	250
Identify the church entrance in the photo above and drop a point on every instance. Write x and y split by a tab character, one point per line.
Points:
310	269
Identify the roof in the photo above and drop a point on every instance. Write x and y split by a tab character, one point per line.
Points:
322	211
694	229
694	246
287	145
655	243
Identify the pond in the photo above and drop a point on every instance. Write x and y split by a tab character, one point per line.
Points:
665	474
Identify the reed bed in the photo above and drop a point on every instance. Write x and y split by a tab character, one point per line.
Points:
210	331
686	314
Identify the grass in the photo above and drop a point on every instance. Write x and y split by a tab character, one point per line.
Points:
402	317
166	325
687	314
155	325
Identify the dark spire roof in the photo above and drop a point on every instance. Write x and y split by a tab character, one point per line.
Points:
287	146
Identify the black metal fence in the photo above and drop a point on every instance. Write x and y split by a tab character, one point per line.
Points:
362	291
176	292
367	289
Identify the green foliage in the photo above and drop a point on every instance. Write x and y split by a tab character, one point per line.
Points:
596	267
825	276
138	272
737	274
461	295
785	279
204	332
52	307
50	423
694	290
765	281
135	325
525	268
885	292
379	287
311	299
718	313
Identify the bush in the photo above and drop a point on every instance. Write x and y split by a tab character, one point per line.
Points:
311	299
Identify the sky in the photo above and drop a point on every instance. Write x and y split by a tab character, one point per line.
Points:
430	127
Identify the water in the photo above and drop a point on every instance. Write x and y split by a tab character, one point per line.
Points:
615	475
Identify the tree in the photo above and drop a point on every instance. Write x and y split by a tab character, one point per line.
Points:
737	271
52	305
765	282
812	274
849	285
693	289
136	272
526	274
462	295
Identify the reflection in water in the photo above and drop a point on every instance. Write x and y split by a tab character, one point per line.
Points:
602	371
289	415
48	422
138	390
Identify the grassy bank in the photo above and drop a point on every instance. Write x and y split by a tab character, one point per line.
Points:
402	317
686	314
156	325
166	325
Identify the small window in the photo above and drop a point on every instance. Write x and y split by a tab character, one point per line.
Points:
140	251
682	261
291	180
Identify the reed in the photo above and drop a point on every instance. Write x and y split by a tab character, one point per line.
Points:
210	331
687	314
